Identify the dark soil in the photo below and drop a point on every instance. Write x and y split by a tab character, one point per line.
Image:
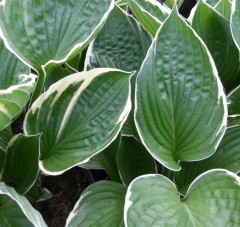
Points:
66	189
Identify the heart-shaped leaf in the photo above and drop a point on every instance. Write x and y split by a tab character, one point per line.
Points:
235	22
16	210
234	102
180	108
226	157
133	160
21	166
212	200
215	31
111	50
47	32
150	14
101	204
224	7
15	86
79	116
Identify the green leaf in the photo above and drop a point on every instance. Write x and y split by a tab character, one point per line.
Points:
2	158
212	2
101	204
235	22
21	166
181	109
212	200
83	113
224	8
234	102
226	157
106	159
133	160
57	74
29	28
15	86
149	13
16	210
235	120
111	50
215	31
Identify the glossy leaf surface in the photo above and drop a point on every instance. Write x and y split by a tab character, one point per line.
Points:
21	166
215	31
51	30
16	210
101	204
133	160
179	96
83	113
212	200
226	157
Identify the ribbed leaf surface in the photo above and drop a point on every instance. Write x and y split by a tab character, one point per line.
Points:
226	157
215	31
180	105
79	116
101	204
212	200
121	44
39	31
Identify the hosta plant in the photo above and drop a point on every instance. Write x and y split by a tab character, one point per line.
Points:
127	86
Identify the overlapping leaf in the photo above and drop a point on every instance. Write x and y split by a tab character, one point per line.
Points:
133	160
16	210
21	165
121	44
235	22
149	13
180	104
212	200
224	7
215	31
226	157
234	102
79	116
42	31
101	204
15	86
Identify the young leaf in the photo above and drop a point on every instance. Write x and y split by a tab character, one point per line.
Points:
215	31
212	200
133	160
79	116
15	86
21	166
180	109
101	204
47	32
235	22
224	7
16	210
226	157
121	44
